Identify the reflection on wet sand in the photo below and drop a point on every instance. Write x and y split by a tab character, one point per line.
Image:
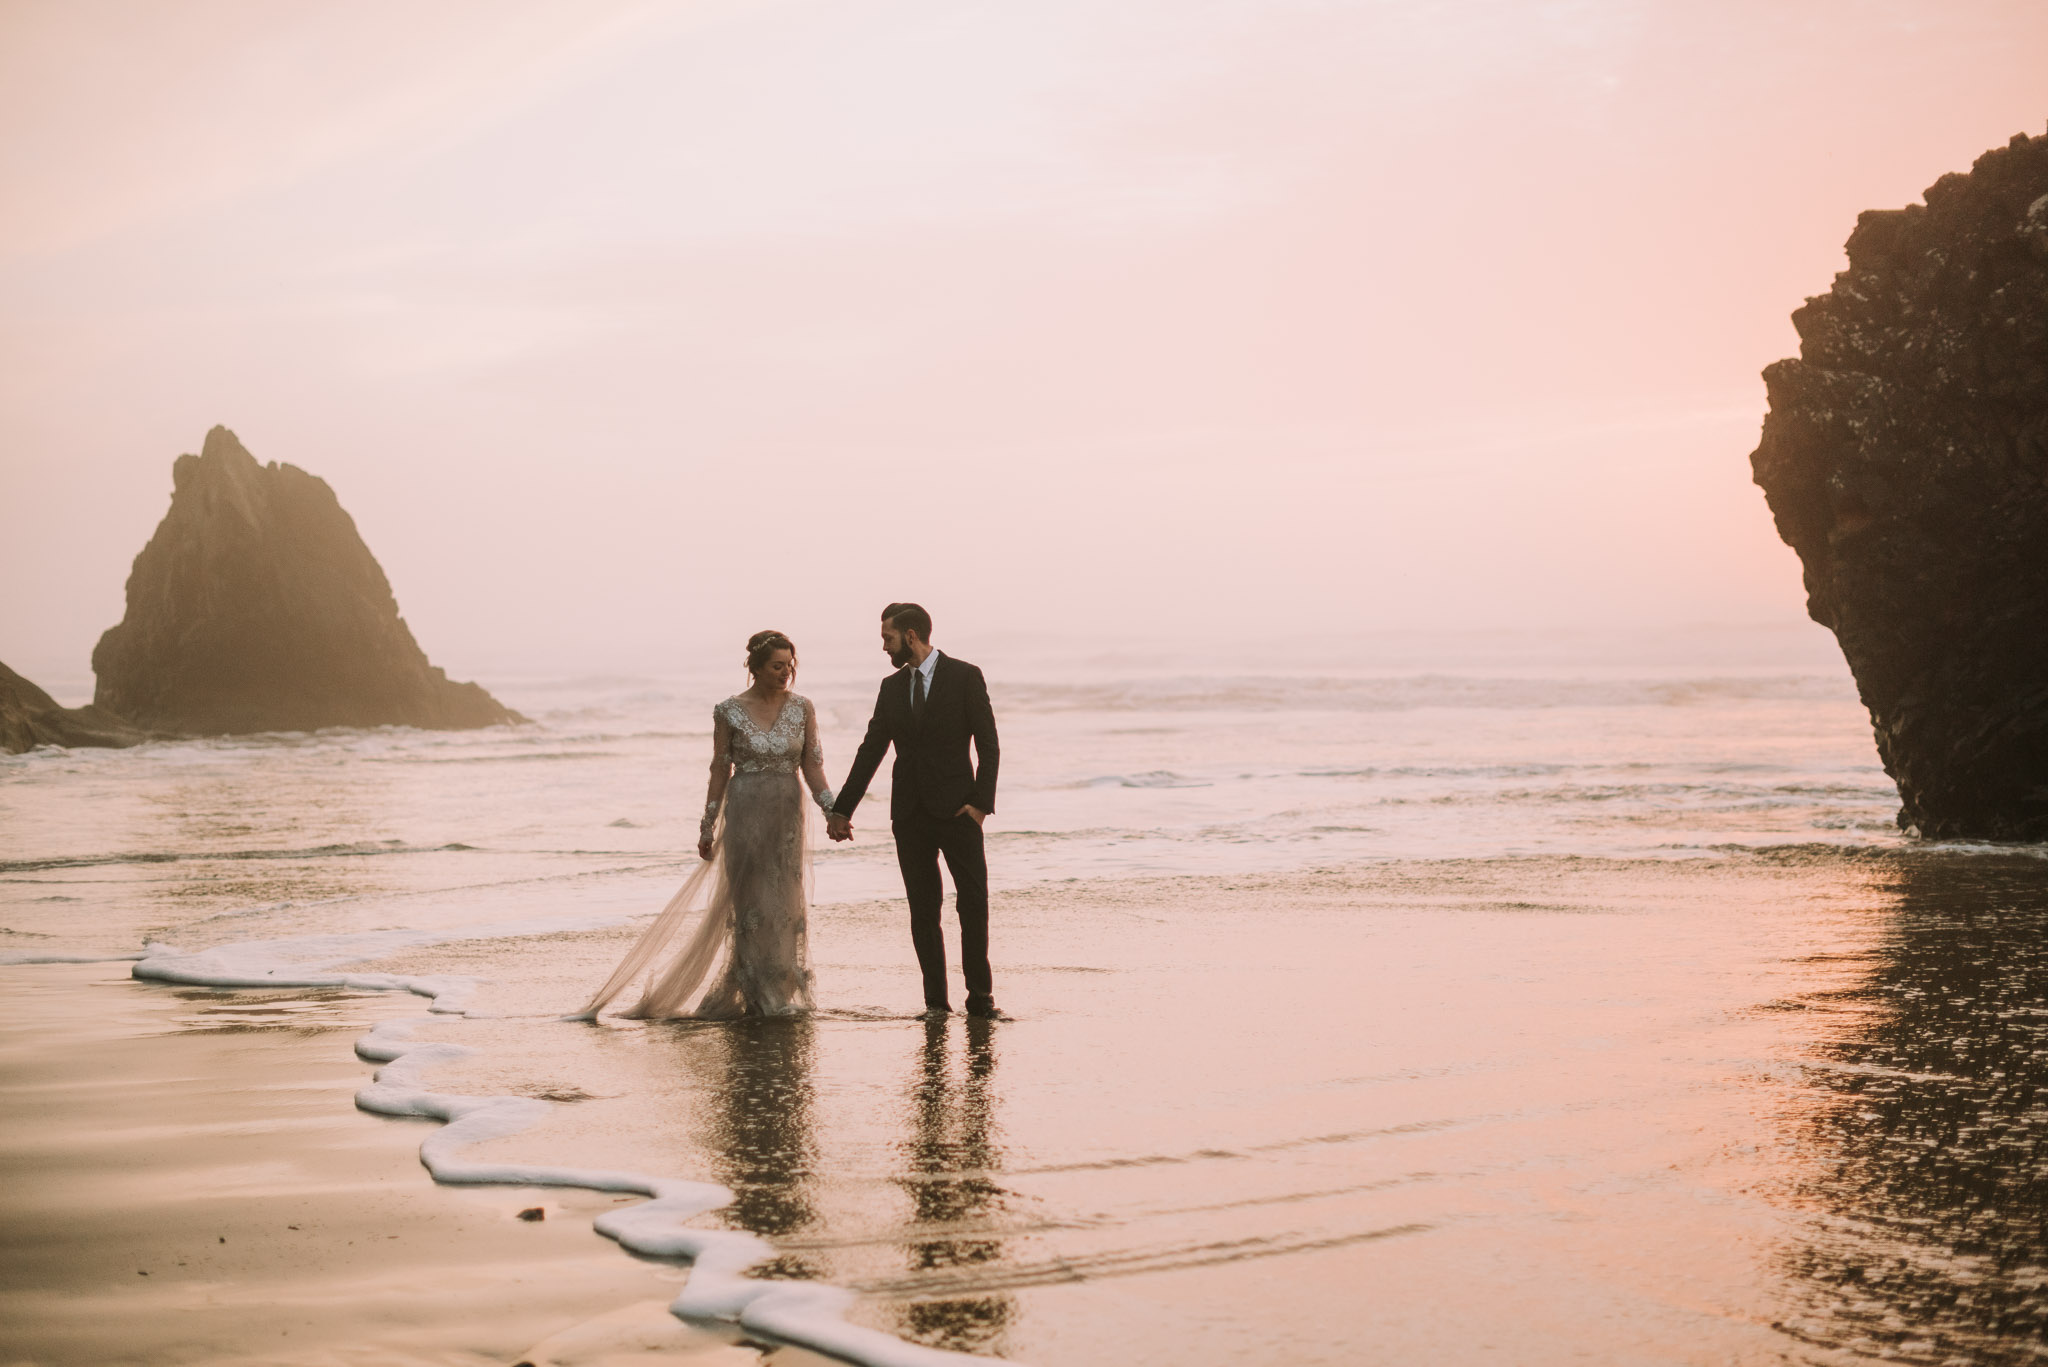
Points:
1927	1150
759	1128
755	1110
302	1011
953	1157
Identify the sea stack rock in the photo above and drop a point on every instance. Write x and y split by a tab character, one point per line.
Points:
257	607
30	717
1905	459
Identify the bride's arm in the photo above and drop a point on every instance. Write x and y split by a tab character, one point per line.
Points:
814	760
721	774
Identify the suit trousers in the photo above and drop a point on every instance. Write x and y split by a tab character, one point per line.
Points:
920	840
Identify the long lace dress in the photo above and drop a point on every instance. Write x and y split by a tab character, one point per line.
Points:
753	918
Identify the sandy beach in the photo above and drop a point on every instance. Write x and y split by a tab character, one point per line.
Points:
189	1182
1562	1108
1687	1058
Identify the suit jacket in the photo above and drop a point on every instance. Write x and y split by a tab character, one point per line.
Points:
933	773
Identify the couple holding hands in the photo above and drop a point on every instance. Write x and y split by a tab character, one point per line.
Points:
749	897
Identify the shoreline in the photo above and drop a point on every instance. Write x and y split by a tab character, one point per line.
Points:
191	1182
1549	1058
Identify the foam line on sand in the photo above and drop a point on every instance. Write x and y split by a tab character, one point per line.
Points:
807	1314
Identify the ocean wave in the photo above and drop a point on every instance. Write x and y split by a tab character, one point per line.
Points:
1728	795
1157	778
516	757
1902	846
1252	693
1440	771
359	850
443	892
1683	778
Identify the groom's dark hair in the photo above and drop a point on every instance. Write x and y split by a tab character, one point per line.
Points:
909	617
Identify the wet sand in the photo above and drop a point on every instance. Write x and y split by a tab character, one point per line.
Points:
1745	1110
188	1181
1756	1109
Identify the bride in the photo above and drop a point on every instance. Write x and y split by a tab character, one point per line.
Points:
752	842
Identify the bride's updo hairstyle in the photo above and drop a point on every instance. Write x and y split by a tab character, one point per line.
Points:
762	644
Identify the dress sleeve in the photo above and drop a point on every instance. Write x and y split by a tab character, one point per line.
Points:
814	748
721	734
721	774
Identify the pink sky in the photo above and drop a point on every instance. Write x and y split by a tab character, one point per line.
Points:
623	329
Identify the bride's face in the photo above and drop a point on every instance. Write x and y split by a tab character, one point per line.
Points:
777	671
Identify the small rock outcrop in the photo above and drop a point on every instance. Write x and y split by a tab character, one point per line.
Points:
257	607
1905	459
30	717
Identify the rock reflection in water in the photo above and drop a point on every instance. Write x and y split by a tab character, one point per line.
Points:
1928	1150
953	1156
758	1074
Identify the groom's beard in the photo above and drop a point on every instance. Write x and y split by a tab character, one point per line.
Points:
901	656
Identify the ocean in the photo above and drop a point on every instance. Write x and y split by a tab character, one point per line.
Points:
1398	999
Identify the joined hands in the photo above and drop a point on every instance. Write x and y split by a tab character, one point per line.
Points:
840	827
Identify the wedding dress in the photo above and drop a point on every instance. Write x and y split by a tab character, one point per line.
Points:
751	896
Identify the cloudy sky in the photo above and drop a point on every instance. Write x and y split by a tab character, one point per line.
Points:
625	328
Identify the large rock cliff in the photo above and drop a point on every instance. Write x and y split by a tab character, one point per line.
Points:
1905	459
30	717
257	607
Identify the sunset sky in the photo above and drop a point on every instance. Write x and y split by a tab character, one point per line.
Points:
623	329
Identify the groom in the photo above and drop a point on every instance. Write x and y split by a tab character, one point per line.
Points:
930	708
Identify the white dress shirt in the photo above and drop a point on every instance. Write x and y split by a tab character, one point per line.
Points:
931	662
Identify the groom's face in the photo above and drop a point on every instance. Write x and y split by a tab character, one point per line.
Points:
896	644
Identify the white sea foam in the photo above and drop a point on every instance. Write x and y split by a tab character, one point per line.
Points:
297	962
808	1314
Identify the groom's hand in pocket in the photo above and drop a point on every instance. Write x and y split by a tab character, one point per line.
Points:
969	809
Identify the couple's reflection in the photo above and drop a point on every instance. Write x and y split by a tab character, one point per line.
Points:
759	1129
953	1157
756	1114
1927	1145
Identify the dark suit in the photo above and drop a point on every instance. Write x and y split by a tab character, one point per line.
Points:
933	778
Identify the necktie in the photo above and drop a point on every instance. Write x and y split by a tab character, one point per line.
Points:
916	693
